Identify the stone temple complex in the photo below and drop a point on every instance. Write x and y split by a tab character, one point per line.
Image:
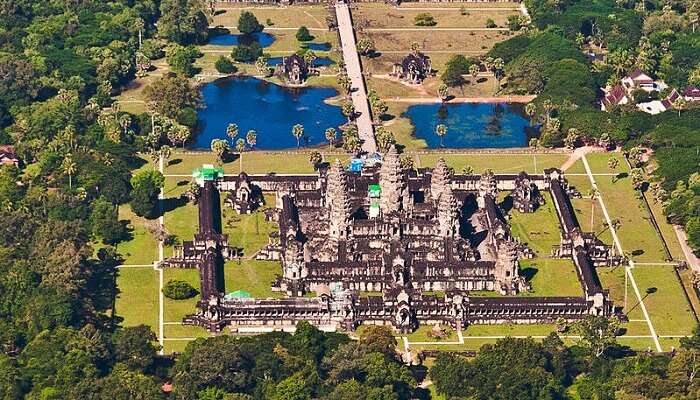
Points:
389	246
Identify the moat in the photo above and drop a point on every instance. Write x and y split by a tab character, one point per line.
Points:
271	110
471	125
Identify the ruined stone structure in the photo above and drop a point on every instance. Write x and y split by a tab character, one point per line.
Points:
293	69
434	238
414	68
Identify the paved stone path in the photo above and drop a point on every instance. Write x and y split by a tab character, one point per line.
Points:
354	69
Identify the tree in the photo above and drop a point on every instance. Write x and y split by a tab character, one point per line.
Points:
348	110
424	19
251	138
680	104
414	46
224	65
261	66
612	165
443	91
298	133
468	170
240	147
637	176
248	23
303	34
530	111
344	82
384	137
572	137
514	23
170	94
441	131
474	72
597	333
331	134
315	158
144	195
181	59
105	222
183	21
69	167
407	162
247	52
178	290
379	339
220	147
134	346
366	46
490	23
232	131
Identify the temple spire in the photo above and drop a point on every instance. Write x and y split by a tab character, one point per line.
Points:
338	201
447	213
439	180
392	183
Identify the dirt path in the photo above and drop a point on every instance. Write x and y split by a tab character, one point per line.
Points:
576	155
497	99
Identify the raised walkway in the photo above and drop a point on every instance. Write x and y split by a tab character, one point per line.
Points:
354	69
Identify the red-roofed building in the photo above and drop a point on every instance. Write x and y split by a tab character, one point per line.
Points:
8	155
613	97
691	93
640	80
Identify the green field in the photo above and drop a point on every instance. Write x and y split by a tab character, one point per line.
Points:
137	297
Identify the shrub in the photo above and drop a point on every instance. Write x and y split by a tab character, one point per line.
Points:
153	49
224	65
246	53
424	19
303	34
491	23
178	290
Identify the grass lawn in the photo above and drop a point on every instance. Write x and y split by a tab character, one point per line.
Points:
254	162
666	303
249	231
551	277
539	230
500	163
253	276
613	279
137	298
375	15
636	232
421	335
598	162
311	16
471	42
142	248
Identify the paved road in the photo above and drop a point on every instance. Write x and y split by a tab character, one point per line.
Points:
352	64
692	259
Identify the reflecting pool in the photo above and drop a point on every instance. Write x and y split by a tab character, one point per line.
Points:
472	125
262	38
271	110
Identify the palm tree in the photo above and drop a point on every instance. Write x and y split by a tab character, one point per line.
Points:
530	110
384	137
240	146
69	167
330	136
298	132
443	91
261	66
612	164
251	138
497	68
468	170
309	58
315	158
232	131
441	131
220	147
680	104
165	152
344	82
572	137
474	71
348	110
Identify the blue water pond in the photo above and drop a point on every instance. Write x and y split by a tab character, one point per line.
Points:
318	62
262	38
317	46
269	109
472	125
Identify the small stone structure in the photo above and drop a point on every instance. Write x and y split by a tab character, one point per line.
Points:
293	69
414	68
435	237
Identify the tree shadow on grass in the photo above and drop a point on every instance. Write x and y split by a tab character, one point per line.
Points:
174	161
529	273
170	204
